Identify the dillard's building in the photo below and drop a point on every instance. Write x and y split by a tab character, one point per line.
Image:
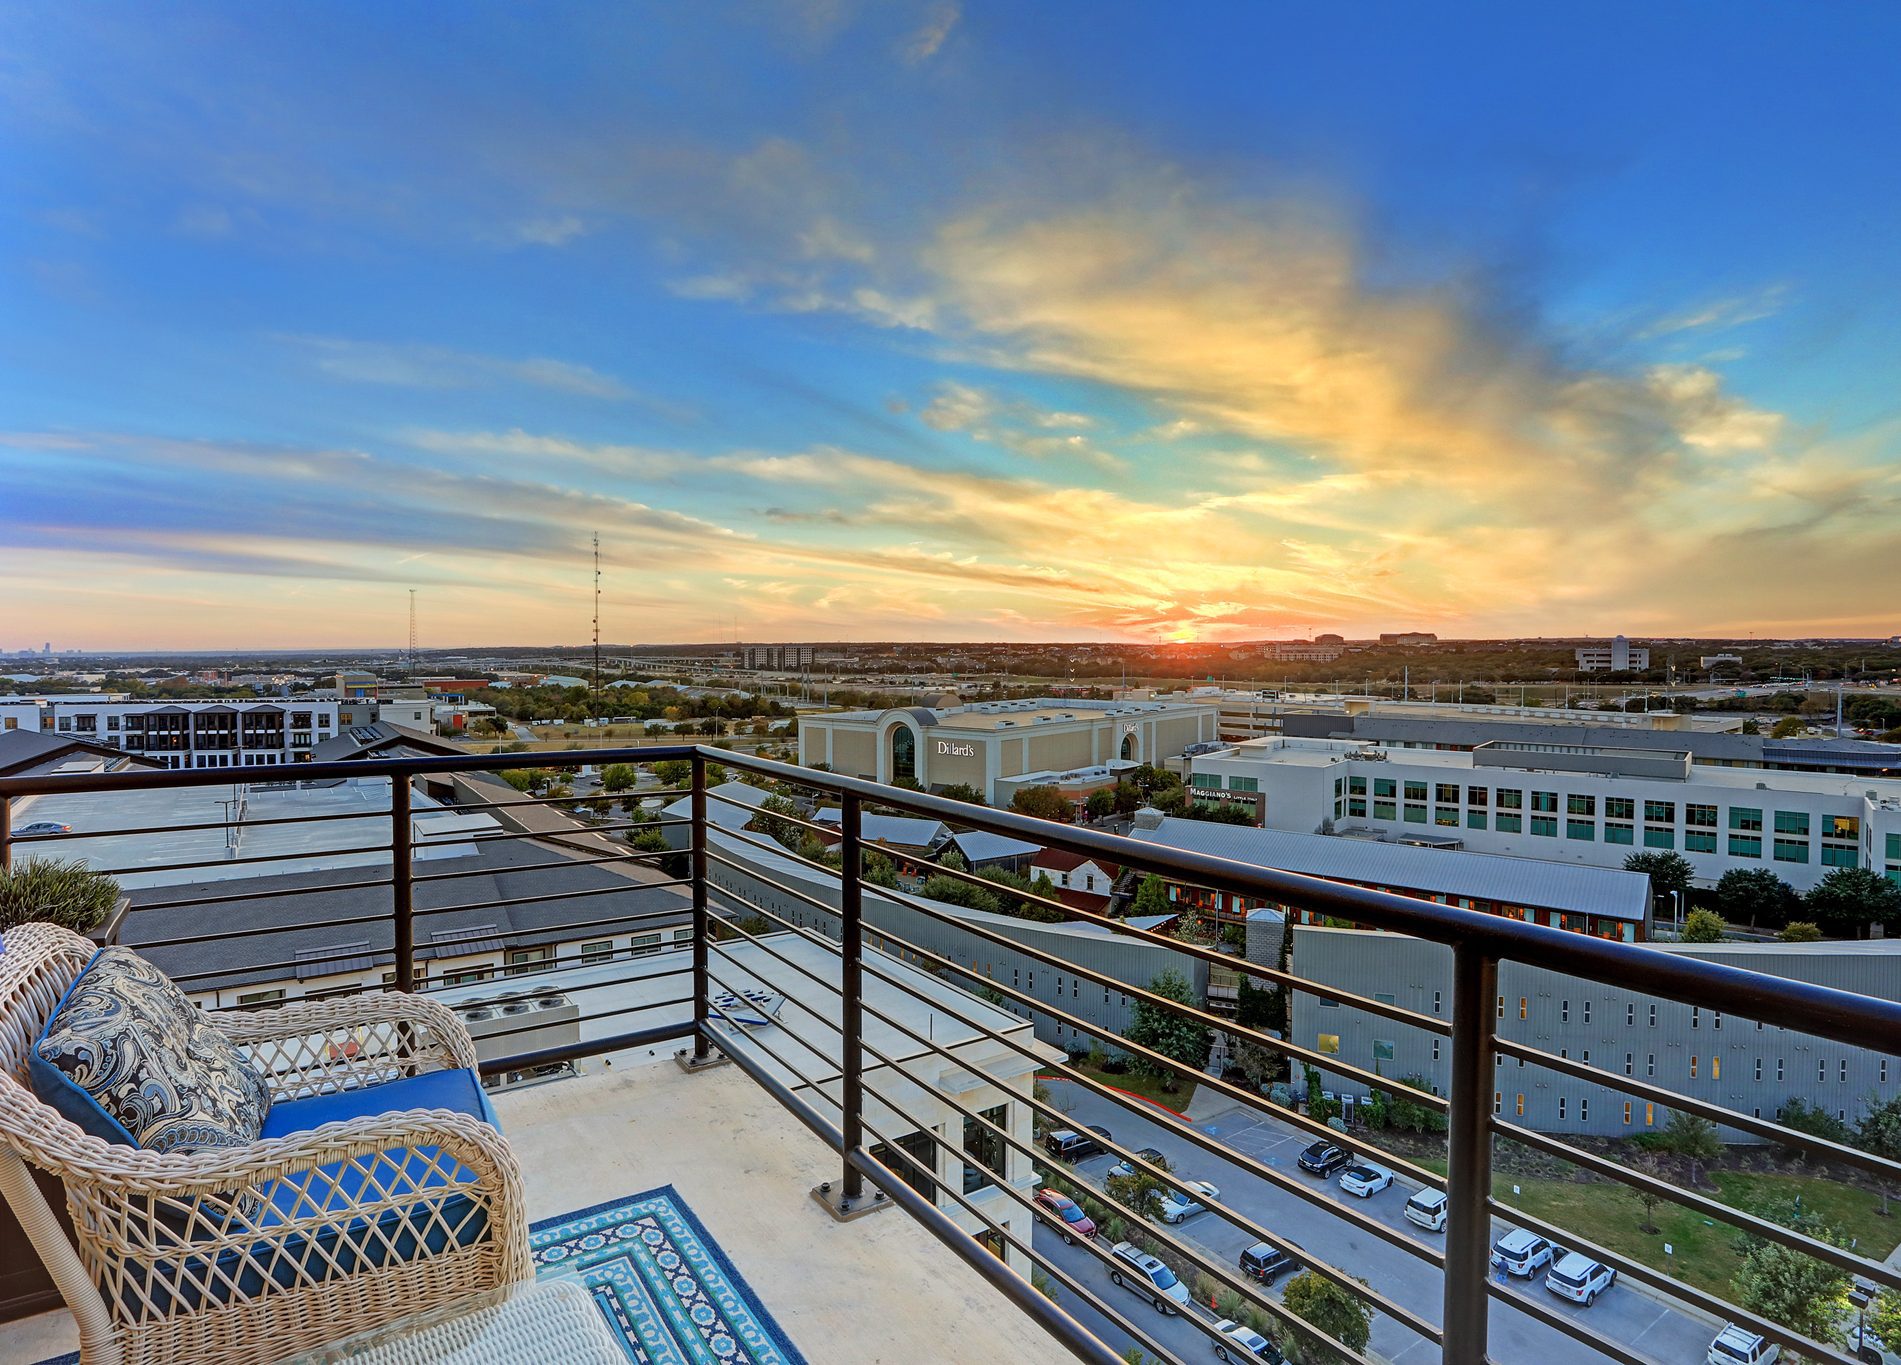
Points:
1001	747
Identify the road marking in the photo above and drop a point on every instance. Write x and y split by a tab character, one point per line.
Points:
1662	1313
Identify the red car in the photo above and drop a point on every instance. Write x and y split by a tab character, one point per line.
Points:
1065	1215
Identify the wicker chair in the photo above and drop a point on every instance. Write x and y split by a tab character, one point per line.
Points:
253	1253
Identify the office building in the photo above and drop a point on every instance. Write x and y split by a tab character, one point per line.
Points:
1409	639
778	658
1735	1062
1616	657
190	734
1570	803
1000	747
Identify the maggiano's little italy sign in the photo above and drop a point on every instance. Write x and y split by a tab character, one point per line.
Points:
950	750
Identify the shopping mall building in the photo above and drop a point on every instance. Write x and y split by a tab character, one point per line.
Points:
1000	747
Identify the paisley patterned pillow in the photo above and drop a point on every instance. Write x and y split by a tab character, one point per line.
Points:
128	1058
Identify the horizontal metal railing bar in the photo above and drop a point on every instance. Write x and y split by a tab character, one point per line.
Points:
1212	956
563	836
632	888
1837	1015
569	1052
714	855
1196	1256
1682	1291
1319	1060
683	917
1689	1104
138	907
600	795
634	856
1709	1208
1570	1326
770	846
246	823
305	855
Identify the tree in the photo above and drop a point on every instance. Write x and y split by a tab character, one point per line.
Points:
963	791
1669	872
1751	727
1044	803
1755	896
1884	1316
1342	1315
1693	1138
1175	1036
1801	931
673	772
1100	805
1786	728
1812	1119
1218	813
617	777
1704	926
1879	1133
518	778
1151	898
954	892
1139	1192
1850	899
768	822
1793	1288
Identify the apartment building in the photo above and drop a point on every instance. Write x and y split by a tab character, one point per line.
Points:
1585	804
1722	1059
999	747
1606	902
189	734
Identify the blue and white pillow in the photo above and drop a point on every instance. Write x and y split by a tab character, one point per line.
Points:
129	1059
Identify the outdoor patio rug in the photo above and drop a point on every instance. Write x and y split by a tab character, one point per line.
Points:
666	1289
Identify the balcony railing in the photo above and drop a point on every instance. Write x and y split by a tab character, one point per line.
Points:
734	877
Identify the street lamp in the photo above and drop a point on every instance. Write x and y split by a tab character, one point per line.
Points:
1676	913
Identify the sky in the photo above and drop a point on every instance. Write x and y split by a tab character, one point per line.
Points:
945	320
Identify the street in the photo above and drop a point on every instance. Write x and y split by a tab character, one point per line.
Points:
1632	1318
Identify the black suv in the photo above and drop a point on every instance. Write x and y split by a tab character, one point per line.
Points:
1267	1263
1067	1145
1323	1158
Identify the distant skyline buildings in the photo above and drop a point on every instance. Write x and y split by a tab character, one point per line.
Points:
933	320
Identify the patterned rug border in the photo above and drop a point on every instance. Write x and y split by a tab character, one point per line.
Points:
707	1240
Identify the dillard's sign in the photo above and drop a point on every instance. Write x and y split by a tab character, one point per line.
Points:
945	747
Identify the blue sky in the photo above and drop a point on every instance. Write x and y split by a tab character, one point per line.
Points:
946	320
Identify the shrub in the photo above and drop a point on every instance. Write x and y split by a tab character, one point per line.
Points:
58	891
1801	931
1704	926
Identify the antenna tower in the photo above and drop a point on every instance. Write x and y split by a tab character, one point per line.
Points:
412	632
597	625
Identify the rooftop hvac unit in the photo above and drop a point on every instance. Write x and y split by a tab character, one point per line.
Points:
504	1025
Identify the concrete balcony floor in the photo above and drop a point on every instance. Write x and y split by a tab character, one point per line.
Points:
880	1289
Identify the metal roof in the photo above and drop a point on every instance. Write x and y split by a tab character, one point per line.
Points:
900	830
981	846
1529	882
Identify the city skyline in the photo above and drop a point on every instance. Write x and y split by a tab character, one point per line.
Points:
945	322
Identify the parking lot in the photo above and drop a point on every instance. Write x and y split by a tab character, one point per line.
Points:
1635	1319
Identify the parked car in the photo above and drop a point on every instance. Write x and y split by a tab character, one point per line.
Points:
1577	1277
1739	1346
1267	1263
1236	1342
1068	1145
1190	1199
44	827
1065	1215
1868	1348
1365	1179
1521	1253
1148	1154
1427	1208
1323	1158
1144	1274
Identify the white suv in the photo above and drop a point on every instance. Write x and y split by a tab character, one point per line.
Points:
1428	1209
1579	1278
1522	1253
1739	1346
1143	1273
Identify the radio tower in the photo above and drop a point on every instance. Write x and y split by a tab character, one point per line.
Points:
412	632
597	625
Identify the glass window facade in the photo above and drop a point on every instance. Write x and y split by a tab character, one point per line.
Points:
1746	818
1660	838
1580	829
1660	812
1509	824
1702	817
1415	791
1545	803
1619	834
1699	841
1745	846
1792	822
1580	805
1477	796
1545	825
1619	808
1792	850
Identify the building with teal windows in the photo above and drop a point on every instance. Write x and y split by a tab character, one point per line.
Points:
1591	804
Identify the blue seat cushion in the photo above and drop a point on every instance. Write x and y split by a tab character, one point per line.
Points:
328	1254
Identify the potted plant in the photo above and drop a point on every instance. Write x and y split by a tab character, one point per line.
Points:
62	891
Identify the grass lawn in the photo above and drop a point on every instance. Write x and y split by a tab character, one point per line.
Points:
1146	1086
1704	1253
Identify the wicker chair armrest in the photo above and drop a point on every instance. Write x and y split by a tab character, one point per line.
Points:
321	1044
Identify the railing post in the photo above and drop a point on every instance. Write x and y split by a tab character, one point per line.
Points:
701	1044
6	833
1469	1157
851	998
402	888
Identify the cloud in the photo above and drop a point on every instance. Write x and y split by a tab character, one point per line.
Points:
558	231
1012	424
439	367
1725	312
926	41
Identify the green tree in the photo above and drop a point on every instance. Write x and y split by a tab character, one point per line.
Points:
1813	1119
1175	1036
673	772
1410	1115
1100	805
963	791
1342	1315
1795	1289
1044	803
1704	926
1850	899
1801	931
1139	1192
1693	1138
954	892
1669	872
1884	1316
875	869
1786	728
770	822
1879	1133
1151	898
1218	813
1755	896
518	778
617	777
